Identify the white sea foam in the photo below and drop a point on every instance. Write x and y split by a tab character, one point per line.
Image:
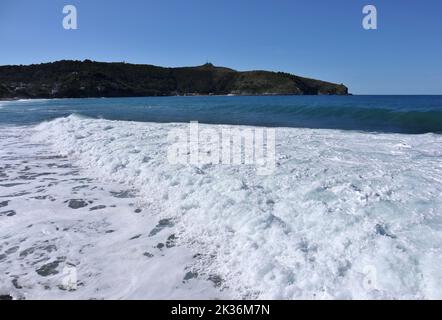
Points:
345	215
21	101
33	100
64	235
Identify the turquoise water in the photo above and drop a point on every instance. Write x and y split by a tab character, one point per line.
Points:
403	114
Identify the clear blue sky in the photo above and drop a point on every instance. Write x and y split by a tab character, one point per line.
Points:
321	39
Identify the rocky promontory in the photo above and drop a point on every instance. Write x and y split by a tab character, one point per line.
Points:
87	79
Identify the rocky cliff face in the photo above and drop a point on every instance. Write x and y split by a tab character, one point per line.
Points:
82	79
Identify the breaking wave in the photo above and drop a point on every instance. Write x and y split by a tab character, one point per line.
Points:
340	206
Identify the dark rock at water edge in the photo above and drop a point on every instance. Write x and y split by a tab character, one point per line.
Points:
8	213
4	203
190	275
76	203
99	207
163	223
48	269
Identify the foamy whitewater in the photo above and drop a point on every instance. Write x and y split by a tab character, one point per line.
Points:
346	215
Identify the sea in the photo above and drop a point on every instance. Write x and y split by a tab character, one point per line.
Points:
91	206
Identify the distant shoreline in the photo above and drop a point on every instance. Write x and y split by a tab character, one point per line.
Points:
181	96
90	79
226	95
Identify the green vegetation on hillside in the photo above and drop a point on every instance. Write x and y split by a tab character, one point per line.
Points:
83	79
